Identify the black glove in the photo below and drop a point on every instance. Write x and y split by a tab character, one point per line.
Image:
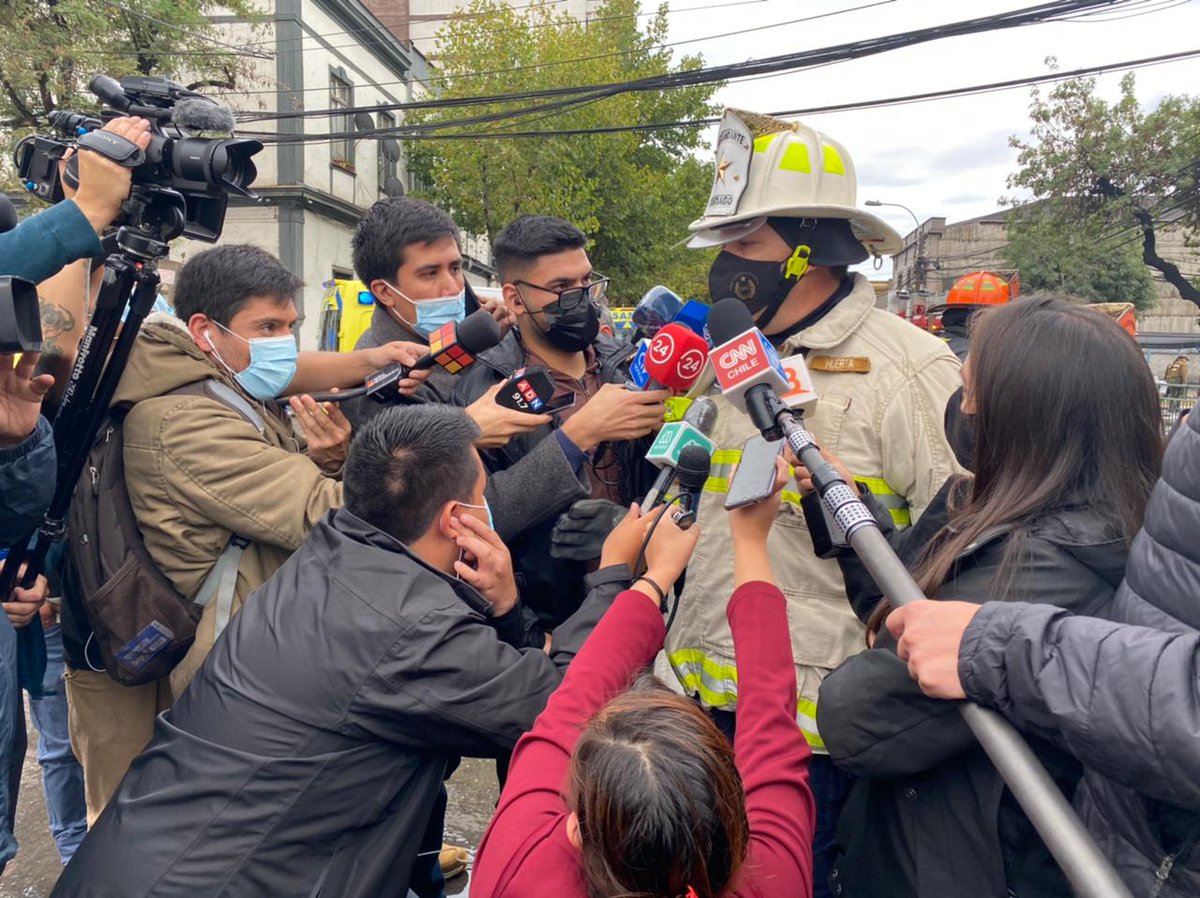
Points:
581	530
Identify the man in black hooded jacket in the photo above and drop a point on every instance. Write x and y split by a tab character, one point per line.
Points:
307	753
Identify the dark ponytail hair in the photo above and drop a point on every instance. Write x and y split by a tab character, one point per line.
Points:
660	803
1067	414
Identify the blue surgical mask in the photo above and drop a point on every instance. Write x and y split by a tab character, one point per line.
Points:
486	507
433	313
272	364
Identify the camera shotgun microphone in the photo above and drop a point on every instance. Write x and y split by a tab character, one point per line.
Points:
694	464
8	214
453	347
667	450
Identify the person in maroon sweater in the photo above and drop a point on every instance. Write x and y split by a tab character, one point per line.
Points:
634	791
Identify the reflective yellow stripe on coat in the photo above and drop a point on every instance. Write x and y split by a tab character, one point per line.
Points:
716	684
724	461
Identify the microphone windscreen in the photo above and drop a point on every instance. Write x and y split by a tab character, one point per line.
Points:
702	415
203	115
8	214
478	331
728	319
676	357
692	470
656	307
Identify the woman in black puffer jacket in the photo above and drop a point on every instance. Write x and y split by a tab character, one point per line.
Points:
1047	517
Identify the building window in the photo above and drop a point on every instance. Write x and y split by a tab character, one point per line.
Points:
389	169
341	97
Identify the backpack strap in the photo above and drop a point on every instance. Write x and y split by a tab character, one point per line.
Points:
225	395
221	582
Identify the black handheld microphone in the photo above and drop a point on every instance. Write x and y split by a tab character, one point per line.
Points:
453	346
701	415
694	464
528	390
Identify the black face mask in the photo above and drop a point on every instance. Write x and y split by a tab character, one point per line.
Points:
573	330
960	430
762	286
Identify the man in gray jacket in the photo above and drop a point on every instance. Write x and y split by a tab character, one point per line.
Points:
1121	694
306	755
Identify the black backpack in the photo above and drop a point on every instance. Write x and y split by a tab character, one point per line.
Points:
141	625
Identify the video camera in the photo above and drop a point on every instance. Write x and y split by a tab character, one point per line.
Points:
181	182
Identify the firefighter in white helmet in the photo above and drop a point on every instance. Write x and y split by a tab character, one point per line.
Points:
782	208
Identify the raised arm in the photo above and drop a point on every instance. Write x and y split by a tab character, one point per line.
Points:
623	643
771	754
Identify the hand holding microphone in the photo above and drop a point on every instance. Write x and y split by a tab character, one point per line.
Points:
614	413
452	347
497	422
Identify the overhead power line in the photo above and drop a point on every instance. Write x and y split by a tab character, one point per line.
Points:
1043	12
439	79
402	133
525	26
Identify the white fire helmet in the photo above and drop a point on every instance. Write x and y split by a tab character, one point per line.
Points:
767	167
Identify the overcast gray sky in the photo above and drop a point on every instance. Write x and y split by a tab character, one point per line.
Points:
947	157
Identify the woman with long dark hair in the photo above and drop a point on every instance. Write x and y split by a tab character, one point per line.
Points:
1066	443
622	792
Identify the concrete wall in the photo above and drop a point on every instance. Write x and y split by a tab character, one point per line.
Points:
953	250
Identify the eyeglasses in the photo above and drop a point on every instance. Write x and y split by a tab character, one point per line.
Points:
570	297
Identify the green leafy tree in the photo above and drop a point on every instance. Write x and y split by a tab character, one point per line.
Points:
1105	179
1077	260
632	193
54	47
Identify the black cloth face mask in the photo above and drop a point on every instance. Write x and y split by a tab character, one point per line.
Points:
573	330
762	286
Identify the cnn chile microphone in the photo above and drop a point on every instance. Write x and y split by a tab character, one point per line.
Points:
453	346
694	464
747	370
664	453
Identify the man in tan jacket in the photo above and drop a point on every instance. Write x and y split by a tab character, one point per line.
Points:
206	466
783	210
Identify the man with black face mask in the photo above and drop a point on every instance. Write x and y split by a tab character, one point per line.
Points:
783	210
555	296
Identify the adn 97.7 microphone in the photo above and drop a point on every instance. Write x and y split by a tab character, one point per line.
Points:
453	346
750	376
528	390
667	449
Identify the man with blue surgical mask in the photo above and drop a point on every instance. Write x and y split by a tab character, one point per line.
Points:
214	471
407	252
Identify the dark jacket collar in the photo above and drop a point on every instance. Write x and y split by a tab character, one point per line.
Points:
509	355
352	527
